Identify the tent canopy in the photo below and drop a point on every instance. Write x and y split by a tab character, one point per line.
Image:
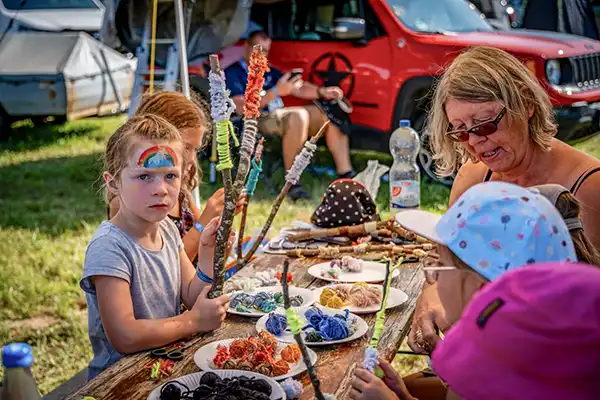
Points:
72	54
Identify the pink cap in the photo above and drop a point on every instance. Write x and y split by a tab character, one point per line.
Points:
534	333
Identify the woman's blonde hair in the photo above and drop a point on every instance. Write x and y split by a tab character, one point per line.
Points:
183	114
143	127
483	74
569	208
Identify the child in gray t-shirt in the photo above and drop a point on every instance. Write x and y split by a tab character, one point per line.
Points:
136	271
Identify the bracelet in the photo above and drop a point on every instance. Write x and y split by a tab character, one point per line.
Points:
199	227
203	277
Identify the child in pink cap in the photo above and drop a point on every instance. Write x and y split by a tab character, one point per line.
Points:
532	334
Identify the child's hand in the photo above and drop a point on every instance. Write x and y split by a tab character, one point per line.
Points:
366	385
393	380
215	204
209	313
208	238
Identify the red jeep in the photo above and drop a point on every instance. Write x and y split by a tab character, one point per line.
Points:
386	54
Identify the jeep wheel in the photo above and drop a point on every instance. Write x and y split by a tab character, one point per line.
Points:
425	158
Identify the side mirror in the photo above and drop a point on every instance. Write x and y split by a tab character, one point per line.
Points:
349	28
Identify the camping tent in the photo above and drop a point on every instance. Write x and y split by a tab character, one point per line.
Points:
62	74
214	25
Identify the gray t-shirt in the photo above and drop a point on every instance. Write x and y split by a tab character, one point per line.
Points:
154	278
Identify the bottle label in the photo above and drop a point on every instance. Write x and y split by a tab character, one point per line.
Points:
405	194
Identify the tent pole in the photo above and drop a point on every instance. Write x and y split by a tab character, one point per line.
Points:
183	65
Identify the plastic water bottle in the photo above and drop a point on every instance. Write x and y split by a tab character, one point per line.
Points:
18	383
405	176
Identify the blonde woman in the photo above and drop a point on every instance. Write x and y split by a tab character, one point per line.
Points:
492	121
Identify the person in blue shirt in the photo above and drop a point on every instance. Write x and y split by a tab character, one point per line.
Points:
294	124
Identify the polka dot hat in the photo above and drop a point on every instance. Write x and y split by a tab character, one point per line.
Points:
497	226
346	202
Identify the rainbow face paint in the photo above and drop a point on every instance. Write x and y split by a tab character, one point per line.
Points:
158	157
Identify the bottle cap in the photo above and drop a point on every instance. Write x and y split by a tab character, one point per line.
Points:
404	123
17	355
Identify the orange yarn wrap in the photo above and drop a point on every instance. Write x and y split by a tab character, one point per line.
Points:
256	71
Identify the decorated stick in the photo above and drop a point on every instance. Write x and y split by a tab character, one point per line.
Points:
371	363
221	109
351	230
295	326
249	191
416	250
292	177
257	67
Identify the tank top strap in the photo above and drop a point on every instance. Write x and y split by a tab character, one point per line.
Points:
577	185
488	175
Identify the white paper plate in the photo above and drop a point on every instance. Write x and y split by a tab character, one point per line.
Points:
396	297
204	355
308	297
372	272
288	337
192	381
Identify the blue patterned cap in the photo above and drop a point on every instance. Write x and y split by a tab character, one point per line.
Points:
497	226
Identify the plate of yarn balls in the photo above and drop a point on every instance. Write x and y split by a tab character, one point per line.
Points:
261	353
267	299
321	326
350	269
218	385
358	298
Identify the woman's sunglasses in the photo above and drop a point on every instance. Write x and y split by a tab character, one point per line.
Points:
482	129
431	268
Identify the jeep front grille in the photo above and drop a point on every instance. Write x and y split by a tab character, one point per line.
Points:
586	70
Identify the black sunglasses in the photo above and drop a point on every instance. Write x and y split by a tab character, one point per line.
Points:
482	129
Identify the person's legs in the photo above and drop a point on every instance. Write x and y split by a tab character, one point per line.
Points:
424	386
337	143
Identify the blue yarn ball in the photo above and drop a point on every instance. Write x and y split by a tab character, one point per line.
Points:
268	306
332	328
314	316
276	324
260	298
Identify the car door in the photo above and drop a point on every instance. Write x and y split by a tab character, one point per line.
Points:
303	37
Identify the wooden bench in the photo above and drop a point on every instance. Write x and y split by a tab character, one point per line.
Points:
75	383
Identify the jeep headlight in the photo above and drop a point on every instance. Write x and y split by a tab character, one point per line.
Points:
553	73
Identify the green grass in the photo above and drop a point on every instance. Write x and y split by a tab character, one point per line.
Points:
52	204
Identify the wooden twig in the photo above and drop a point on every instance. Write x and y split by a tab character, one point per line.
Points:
314	380
416	250
226	216
351	230
249	195
275	208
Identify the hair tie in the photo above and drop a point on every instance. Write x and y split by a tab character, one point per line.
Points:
573	224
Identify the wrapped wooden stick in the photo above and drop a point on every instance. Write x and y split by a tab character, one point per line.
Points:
416	250
352	230
249	191
257	67
221	109
296	328
292	177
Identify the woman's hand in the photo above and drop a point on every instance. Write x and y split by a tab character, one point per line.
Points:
429	315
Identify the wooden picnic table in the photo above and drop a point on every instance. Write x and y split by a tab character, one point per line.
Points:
127	379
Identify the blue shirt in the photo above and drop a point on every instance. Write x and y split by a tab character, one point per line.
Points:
236	78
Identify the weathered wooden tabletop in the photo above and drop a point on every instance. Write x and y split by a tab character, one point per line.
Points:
127	379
